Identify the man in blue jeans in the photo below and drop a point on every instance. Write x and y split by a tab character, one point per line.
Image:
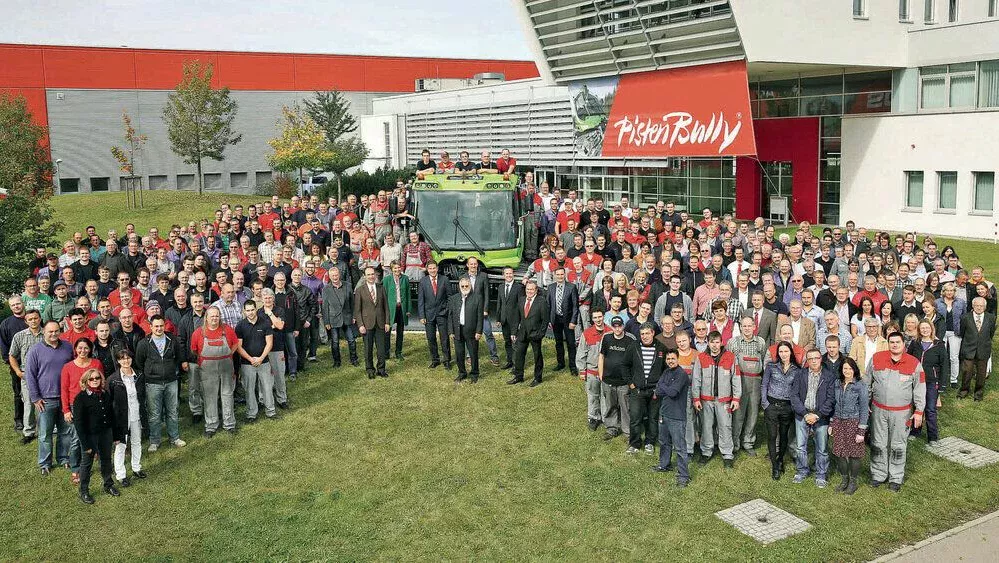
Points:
158	358
43	374
813	395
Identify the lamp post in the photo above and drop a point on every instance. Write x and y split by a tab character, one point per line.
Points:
58	161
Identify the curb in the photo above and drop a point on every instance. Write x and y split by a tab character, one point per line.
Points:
931	540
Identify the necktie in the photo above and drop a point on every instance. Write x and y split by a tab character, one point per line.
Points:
558	300
978	322
527	307
371	289
757	322
433	285
471	282
738	269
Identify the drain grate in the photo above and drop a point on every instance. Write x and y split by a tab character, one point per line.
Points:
763	521
963	452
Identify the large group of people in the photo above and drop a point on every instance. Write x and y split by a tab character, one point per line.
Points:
682	329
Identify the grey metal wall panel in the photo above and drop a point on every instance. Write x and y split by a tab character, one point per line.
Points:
85	124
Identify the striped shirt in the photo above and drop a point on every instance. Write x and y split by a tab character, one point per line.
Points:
231	313
648	357
21	343
749	354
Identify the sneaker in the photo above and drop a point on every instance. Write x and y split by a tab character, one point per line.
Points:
610	435
728	463
650	449
593	424
750	452
293	377
661	469
209	434
140	474
894	487
682	484
821	483
153	447
704	459
799	479
126	482
631	451
178	443
313	359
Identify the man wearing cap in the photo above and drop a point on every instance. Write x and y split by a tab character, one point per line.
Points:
60	306
615	367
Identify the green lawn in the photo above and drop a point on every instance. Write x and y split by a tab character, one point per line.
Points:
416	467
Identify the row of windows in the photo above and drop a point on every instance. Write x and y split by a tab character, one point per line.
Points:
929	10
959	86
982	193
213	181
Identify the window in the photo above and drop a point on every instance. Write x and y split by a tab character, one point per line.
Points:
984	191
100	184
929	10
988	84
213	181
903	11
946	190
948	86
860	8
261	178
158	182
914	190
238	180
69	185
952	11
992	8
186	182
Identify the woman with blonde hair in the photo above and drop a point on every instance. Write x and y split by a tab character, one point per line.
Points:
94	419
932	355
910	328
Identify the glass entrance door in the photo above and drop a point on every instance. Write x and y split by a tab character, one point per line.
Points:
775	182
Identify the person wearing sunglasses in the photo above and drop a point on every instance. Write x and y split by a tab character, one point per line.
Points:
93	419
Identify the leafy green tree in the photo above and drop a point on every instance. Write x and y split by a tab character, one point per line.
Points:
331	111
200	118
26	173
301	144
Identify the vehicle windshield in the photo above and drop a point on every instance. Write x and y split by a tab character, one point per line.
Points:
487	216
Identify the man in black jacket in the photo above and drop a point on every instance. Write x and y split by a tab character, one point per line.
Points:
128	334
510	294
616	367
643	406
976	331
465	312
530	323
673	392
563	310
432	297
480	287
158	358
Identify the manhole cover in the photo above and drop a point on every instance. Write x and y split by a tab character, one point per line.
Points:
964	452
763	521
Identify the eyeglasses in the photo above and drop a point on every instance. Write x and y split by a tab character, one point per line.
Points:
93	379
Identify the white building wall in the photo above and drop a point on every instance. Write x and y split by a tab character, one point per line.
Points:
822	32
954	43
877	151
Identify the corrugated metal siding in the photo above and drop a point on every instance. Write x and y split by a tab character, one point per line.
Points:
85	124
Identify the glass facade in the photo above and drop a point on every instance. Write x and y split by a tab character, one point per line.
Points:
689	183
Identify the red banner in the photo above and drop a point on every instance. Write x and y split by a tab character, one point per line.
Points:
693	111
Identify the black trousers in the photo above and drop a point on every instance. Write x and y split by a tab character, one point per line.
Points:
520	357
103	443
565	337
644	412
434	329
400	329
779	418
374	343
507	342
471	345
15	386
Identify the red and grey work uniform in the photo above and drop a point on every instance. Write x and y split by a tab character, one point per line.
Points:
382	222
716	387
749	358
218	380
895	388
415	258
587	355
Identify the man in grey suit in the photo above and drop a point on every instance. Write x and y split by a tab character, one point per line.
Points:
976	332
465	313
765	319
432	309
509	295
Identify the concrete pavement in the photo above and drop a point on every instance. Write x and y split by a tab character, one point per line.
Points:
973	542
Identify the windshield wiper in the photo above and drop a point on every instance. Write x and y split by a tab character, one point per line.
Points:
457	223
419	226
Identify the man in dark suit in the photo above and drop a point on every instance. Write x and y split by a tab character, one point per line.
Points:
371	315
509	295
480	286
563	310
531	321
465	313
976	332
431	308
764	319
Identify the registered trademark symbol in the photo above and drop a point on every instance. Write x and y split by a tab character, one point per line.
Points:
738	115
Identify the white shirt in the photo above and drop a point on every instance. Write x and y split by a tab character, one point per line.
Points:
461	313
371	290
796	327
870	347
133	397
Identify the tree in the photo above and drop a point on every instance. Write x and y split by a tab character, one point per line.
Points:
301	145
199	118
331	111
347	153
126	157
26	173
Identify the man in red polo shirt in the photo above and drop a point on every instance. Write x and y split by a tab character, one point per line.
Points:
505	164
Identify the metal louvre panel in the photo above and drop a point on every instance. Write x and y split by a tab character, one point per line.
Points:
583	40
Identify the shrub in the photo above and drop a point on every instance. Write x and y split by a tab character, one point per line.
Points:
282	186
362	183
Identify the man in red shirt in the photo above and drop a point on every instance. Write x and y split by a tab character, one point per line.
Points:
124	286
213	344
870	290
706	222
268	217
78	328
563	217
505	164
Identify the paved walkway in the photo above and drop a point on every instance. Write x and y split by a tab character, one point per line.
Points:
976	541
